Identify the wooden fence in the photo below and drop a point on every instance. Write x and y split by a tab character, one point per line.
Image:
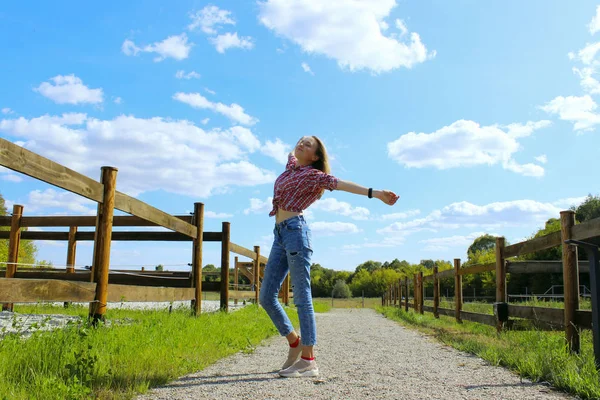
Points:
100	285
571	318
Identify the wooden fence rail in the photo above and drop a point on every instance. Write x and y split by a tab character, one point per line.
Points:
106	286
570	319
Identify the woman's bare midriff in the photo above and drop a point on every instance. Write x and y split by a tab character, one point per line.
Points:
282	215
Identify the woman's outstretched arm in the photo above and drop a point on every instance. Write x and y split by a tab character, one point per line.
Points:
386	196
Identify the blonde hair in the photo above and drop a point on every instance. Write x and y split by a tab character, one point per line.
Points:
322	164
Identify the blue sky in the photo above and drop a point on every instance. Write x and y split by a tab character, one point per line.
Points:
482	117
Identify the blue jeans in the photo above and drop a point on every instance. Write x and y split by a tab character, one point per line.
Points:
291	252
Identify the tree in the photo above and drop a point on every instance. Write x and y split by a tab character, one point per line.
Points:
159	267
483	243
341	290
27	248
370	266
588	210
211	268
429	264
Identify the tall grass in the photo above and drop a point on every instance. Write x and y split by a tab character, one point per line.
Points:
137	350
487	308
537	355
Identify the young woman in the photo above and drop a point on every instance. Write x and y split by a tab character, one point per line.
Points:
304	180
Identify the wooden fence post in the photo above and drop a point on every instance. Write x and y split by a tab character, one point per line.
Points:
97	244
436	293
235	279
421	292
197	257
257	275
407	293
71	252
104	223
500	275
225	266
400	293
415	293
457	290
570	280
385	297
14	240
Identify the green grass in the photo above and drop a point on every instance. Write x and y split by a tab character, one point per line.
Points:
321	306
486	308
537	355
139	350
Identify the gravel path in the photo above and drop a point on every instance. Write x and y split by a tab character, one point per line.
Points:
361	355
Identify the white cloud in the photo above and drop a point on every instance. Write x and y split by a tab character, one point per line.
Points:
493	215
190	75
349	32
209	18
528	169
342	208
333	228
401	27
231	40
388	241
306	68
10	176
444	243
7	110
175	46
41	202
210	91
542	159
153	153
234	111
517	130
118	100
587	55
594	25
212	214
465	144
258	206
400	215
205	121
568	202
69	89
244	137
587	81
578	110
277	150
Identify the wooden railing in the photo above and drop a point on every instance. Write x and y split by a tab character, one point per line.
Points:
99	285
571	318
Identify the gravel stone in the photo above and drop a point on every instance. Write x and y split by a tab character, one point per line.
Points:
361	355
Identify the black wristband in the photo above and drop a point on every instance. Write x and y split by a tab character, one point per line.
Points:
370	193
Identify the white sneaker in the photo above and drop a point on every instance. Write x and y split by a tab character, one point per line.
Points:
302	368
293	356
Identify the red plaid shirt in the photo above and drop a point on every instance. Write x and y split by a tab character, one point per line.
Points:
298	187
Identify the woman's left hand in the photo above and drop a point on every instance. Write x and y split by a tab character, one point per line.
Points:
388	197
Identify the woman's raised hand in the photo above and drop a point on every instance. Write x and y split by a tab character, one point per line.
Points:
388	197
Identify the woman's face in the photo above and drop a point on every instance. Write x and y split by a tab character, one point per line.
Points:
306	150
